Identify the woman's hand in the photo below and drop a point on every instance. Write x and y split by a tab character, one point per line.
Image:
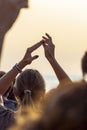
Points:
49	50
49	47
28	58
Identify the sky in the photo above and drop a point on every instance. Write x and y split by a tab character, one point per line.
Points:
64	20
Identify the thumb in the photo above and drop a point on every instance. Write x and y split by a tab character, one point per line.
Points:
35	57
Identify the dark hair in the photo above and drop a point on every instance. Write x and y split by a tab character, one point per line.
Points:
32	81
2	73
84	64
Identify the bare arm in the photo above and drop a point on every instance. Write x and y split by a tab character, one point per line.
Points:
9	12
49	50
6	80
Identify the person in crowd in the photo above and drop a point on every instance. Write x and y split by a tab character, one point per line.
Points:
7	101
63	109
31	80
49	51
7	116
11	74
27	59
9	11
29	89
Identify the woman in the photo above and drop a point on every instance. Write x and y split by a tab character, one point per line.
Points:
29	88
63	78
32	80
7	116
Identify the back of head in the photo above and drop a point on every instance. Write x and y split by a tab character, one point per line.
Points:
67	108
31	83
2	73
84	64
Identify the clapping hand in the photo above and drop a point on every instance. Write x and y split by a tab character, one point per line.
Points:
28	58
49	47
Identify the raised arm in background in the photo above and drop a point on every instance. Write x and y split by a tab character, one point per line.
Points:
49	49
6	80
9	12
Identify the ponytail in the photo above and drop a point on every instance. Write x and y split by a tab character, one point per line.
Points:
27	100
27	103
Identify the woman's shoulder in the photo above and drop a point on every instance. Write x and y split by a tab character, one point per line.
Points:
3	109
6	118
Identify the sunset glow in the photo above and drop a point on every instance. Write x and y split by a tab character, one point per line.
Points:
64	20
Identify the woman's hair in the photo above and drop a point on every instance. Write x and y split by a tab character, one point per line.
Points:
2	73
30	86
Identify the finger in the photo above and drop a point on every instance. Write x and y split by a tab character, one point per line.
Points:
35	57
34	47
44	38
50	39
42	41
48	36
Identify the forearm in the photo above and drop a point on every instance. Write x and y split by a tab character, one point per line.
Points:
60	73
6	80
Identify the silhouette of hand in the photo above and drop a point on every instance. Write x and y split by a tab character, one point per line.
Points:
49	47
28	58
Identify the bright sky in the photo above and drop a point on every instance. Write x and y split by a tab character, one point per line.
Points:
64	20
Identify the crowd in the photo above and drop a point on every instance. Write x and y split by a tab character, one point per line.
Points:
24	103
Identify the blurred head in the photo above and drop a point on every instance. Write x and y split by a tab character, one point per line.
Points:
65	109
84	64
2	73
31	83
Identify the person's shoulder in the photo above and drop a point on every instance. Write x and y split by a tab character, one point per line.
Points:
4	110
6	118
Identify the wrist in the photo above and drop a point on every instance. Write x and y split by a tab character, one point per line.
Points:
17	68
51	59
21	64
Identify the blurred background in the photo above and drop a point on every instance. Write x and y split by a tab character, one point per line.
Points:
65	21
